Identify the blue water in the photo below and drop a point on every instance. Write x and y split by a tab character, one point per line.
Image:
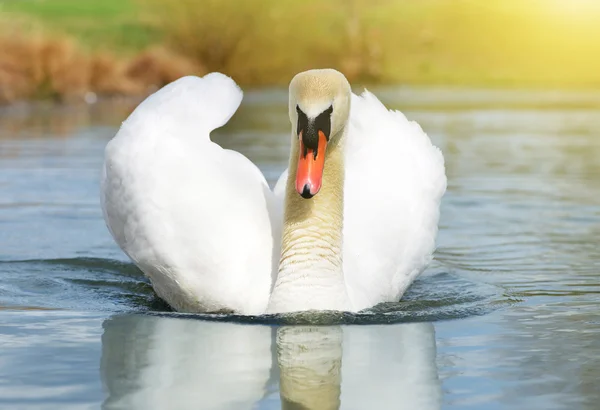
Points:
507	316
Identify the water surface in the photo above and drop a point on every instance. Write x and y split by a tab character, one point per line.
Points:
507	316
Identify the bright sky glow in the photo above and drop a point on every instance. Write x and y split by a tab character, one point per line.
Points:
576	6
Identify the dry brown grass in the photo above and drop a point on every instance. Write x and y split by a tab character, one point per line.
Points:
36	65
156	67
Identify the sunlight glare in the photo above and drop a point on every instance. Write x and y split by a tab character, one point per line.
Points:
577	6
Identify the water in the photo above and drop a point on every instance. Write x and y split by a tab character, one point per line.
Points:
506	317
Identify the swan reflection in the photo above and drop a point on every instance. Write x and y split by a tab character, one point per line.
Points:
310	361
157	363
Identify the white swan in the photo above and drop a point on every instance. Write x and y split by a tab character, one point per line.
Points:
352	225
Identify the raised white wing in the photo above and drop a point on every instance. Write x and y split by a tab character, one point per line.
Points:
193	216
395	180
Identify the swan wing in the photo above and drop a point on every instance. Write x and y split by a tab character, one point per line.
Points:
395	180
193	216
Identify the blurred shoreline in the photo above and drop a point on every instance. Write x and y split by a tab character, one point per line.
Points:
68	50
46	117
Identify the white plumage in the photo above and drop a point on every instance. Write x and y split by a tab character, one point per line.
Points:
202	224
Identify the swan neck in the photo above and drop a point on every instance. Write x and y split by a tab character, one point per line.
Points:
312	230
310	272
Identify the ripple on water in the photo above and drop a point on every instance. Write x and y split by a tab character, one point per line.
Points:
433	297
91	284
84	284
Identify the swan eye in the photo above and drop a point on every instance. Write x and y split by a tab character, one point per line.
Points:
303	123
323	122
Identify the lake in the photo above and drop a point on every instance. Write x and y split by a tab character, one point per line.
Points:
506	317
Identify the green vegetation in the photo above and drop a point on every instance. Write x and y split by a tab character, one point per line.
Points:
110	25
533	43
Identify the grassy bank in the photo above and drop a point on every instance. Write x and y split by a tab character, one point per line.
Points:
97	25
71	50
499	43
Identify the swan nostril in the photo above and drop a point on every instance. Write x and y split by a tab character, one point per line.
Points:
306	192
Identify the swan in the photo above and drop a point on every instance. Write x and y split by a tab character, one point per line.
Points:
350	224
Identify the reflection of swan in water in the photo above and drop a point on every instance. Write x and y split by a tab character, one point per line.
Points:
372	367
156	363
390	367
310	361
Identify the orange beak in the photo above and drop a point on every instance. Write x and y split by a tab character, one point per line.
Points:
309	175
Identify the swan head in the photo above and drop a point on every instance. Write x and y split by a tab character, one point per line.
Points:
319	108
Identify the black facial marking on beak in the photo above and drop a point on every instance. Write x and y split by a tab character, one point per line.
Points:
306	192
310	128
